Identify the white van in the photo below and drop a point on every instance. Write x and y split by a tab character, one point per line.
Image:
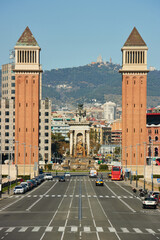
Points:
93	173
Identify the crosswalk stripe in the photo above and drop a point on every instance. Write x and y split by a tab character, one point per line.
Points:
83	195
107	196
46	195
89	196
125	196
137	230
87	229
111	229
61	229
101	196
23	229
71	195
65	196
130	197
58	195
10	229
125	230
76	195
34	195
35	229
49	229
74	229
29	196
99	229
150	230
112	196
53	195
1	228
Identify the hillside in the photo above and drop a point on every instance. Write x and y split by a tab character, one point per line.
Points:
97	81
93	81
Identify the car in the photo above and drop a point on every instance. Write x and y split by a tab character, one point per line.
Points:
99	182
26	185
48	176
30	183
149	202
109	175
62	179
67	174
19	189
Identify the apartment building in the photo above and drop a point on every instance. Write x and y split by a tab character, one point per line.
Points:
8	81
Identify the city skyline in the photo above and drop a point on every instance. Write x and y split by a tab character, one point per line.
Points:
73	33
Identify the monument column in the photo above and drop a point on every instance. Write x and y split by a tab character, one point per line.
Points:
71	142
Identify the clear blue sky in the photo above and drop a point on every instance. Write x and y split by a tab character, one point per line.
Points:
75	32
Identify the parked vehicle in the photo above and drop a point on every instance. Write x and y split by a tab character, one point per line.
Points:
19	189
67	174
149	202
26	185
99	182
116	173
93	173
31	183
48	176
62	179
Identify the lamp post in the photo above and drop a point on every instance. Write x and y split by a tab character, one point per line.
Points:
152	164
144	164
16	159
1	175
30	161
24	160
131	163
136	163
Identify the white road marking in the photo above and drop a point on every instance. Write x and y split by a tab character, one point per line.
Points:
1	228
120	199
58	195
113	196
29	196
76	195
40	198
107	196
99	229
101	196
125	230
83	195
23	229
150	230
35	229
53	195
34	195
124	196
65	195
49	229
10	229
89	196
71	195
19	198
61	229
46	195
111	229
87	229
74	229
137	230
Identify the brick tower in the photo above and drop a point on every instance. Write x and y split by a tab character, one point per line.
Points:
27	94
134	96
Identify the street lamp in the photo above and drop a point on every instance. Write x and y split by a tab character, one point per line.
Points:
131	163
16	159
136	163
144	164
24	160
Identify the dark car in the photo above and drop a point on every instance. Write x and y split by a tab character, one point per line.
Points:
99	182
62	179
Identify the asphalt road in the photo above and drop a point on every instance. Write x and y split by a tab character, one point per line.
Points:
77	209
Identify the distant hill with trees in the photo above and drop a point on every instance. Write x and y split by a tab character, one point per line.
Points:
99	81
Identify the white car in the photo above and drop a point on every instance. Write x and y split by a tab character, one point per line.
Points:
67	174
19	189
149	202
26	185
48	176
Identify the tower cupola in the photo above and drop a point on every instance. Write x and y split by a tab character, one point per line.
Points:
134	53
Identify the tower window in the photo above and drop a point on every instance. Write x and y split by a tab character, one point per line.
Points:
33	81
26	129
134	105
19	129
134	82
134	155
127	129
141	105
26	104
141	155
134	130
19	154
141	130
26	81
33	129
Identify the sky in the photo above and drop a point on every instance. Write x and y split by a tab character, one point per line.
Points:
74	33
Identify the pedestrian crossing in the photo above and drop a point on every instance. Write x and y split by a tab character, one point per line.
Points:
80	180
76	196
75	229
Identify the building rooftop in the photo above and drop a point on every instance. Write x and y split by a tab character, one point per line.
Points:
134	39
27	39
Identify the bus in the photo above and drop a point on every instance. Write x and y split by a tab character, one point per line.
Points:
116	173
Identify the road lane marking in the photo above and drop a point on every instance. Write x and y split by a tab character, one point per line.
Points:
29	196
23	229
99	229
35	229
105	214
20	198
125	230
10	229
86	229
28	209
48	229
137	230
74	229
120	199
150	230
34	195
46	195
61	229
112	229
58	195
55	212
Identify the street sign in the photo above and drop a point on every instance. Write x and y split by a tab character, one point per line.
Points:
151	176
158	180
